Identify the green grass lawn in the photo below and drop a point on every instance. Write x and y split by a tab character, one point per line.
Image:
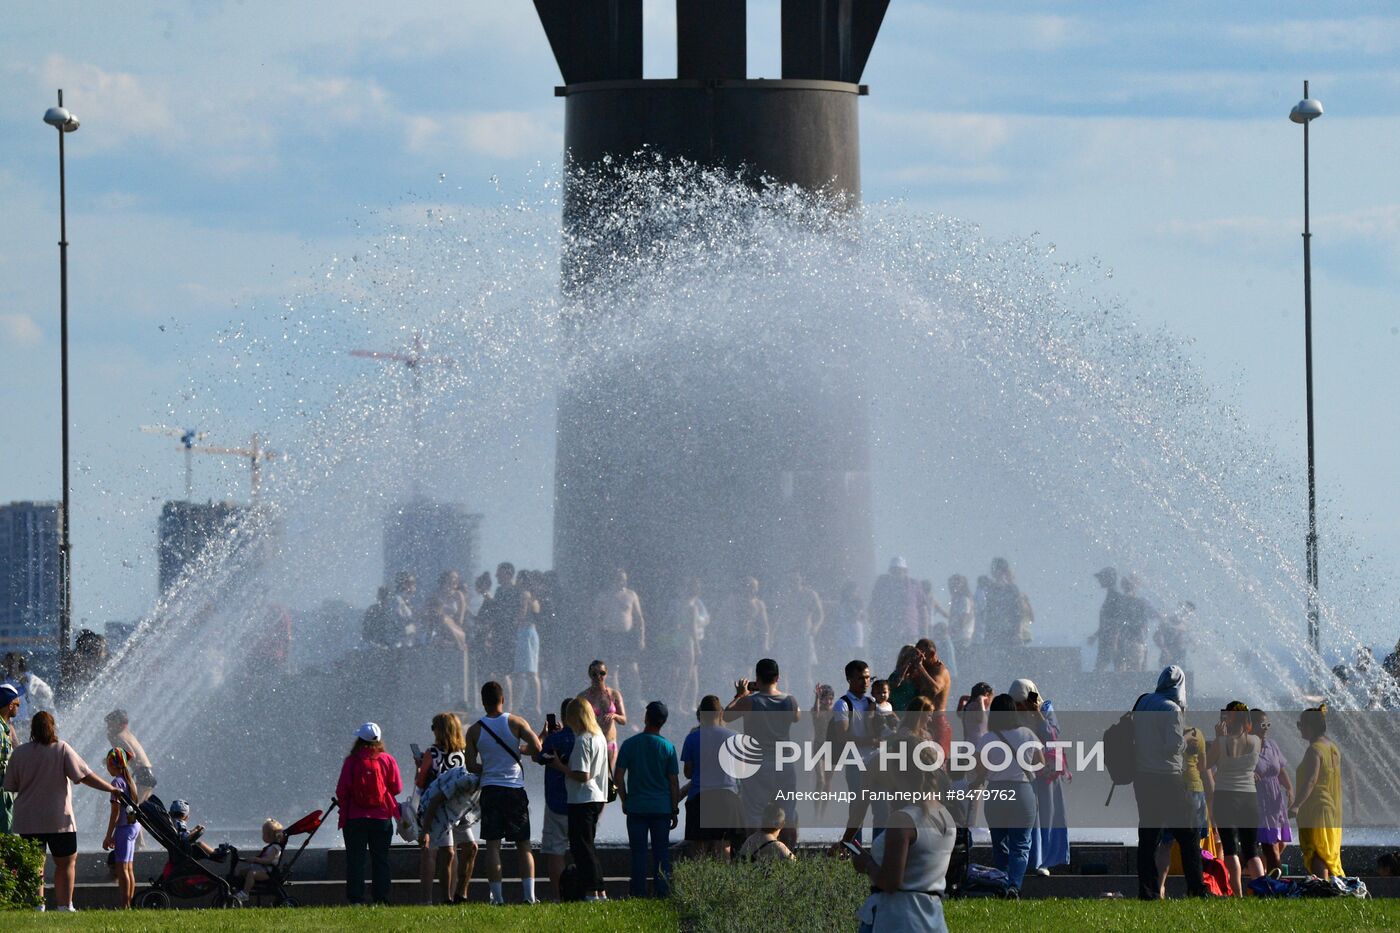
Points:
575	918
1215	916
982	916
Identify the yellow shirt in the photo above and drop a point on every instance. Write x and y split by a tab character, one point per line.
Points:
1191	758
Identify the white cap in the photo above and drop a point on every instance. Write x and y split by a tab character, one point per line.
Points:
1022	689
899	563
369	732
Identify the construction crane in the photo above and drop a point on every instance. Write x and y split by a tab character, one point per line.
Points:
255	454
413	361
188	437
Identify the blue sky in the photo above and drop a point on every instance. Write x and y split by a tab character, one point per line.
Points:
228	149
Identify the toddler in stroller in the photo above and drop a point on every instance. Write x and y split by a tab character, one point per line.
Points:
259	868
186	875
179	817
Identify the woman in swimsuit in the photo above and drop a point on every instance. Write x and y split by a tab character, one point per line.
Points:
607	706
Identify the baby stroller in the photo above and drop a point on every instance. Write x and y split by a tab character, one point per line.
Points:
185	875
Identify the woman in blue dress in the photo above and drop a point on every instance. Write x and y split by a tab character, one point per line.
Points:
1050	840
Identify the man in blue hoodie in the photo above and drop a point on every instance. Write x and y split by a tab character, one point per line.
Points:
1164	806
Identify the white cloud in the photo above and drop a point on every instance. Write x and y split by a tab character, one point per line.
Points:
962	137
942	174
1377	227
502	134
1364	35
238	131
113	106
993	31
20	330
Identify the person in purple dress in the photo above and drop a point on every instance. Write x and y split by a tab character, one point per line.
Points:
1275	793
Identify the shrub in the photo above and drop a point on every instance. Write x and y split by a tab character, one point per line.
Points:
21	870
814	894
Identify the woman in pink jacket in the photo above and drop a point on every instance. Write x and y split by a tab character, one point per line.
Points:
367	790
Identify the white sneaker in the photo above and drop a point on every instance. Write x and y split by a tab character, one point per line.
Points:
591	897
242	896
67	909
39	909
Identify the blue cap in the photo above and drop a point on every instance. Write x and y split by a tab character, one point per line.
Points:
8	694
657	710
179	806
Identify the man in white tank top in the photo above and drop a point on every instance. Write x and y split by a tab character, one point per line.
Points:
496	744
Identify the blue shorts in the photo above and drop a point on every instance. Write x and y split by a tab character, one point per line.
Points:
527	651
125	837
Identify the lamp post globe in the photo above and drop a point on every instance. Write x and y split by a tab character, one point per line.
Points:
61	118
1306	110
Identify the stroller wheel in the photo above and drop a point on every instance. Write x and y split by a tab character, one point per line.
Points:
288	901
227	902
154	900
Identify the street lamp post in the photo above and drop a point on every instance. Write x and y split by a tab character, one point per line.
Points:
1304	112
64	121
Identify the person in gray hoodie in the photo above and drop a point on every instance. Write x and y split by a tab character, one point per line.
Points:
1164	806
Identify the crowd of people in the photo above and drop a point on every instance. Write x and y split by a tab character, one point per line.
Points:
469	787
520	630
1235	787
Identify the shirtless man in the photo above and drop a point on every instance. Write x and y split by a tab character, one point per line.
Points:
939	680
935	682
622	631
119	735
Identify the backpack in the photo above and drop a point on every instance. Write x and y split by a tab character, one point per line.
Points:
1265	886
1214	876
1120	751
367	787
984	881
571	885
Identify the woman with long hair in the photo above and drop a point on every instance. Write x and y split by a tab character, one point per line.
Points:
41	773
367	790
586	784
122	833
609	711
1233	755
455	858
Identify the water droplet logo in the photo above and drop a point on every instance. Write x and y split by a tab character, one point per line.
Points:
740	756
